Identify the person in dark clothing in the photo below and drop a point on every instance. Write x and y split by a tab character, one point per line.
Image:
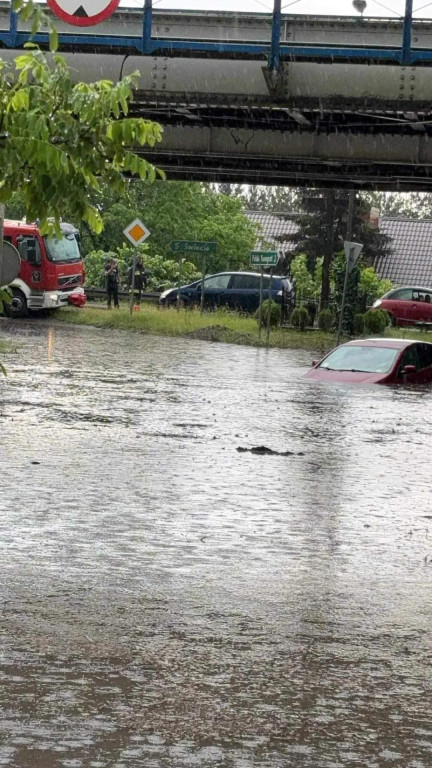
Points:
141	279
112	283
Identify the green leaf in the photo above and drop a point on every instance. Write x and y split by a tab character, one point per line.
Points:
54	41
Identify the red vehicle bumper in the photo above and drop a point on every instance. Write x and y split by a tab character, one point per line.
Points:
77	299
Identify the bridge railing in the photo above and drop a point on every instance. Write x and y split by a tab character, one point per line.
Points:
274	46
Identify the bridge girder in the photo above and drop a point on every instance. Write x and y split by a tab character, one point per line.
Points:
257	156
344	112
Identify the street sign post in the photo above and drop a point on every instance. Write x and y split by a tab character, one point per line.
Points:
136	233
83	13
352	252
193	246
264	258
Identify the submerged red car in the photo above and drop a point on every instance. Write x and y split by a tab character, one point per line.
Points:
376	361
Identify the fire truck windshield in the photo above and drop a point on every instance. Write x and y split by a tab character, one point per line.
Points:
64	250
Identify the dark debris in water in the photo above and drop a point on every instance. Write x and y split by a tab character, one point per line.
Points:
262	450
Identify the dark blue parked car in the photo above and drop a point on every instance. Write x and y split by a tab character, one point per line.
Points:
234	290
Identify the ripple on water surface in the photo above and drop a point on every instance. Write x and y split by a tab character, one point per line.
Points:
169	601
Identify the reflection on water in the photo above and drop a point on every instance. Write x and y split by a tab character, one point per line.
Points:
169	601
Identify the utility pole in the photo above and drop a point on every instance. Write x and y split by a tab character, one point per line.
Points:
328	248
350	226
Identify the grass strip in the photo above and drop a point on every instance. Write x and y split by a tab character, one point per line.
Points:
222	326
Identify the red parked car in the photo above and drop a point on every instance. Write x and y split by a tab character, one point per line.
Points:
407	306
376	361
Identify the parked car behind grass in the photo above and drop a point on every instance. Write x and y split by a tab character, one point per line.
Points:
407	305
234	290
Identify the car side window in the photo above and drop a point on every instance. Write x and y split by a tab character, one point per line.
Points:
421	296
410	357
425	355
405	294
245	282
217	282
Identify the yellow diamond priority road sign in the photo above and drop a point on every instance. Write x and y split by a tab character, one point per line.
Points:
136	232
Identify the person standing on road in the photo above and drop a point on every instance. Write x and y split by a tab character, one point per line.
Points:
141	280
112	283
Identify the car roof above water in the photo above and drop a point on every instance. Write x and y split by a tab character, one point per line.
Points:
386	343
407	288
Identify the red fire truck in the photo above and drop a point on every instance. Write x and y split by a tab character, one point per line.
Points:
52	269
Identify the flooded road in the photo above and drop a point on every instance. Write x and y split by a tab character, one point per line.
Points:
168	601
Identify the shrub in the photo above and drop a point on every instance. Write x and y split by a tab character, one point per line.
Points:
275	312
359	324
325	320
376	320
300	318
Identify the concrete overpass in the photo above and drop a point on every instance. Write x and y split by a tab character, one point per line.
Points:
269	98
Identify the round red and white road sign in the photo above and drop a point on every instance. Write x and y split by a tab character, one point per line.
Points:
83	13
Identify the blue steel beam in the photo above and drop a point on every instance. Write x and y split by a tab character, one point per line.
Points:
406	33
147	27
148	45
260	50
274	58
13	26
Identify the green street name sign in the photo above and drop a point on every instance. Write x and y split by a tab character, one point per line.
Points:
264	258
193	246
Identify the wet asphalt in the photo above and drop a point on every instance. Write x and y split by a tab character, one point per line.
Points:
168	601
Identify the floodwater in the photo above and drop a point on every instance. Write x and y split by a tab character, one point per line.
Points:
167	601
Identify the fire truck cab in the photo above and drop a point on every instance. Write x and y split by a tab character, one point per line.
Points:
52	270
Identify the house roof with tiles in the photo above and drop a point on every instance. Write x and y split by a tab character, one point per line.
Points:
410	260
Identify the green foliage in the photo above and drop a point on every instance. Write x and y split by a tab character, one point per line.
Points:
61	142
376	320
163	272
414	205
359	324
175	210
32	11
325	320
300	318
307	284
312	234
275	313
259	198
371	285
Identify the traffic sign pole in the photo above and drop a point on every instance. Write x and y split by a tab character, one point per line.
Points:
352	252
179	283
132	296
260	302
269	307
204	267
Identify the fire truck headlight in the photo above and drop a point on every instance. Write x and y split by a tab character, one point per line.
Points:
54	298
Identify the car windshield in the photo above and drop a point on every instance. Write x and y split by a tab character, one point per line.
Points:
63	250
360	358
